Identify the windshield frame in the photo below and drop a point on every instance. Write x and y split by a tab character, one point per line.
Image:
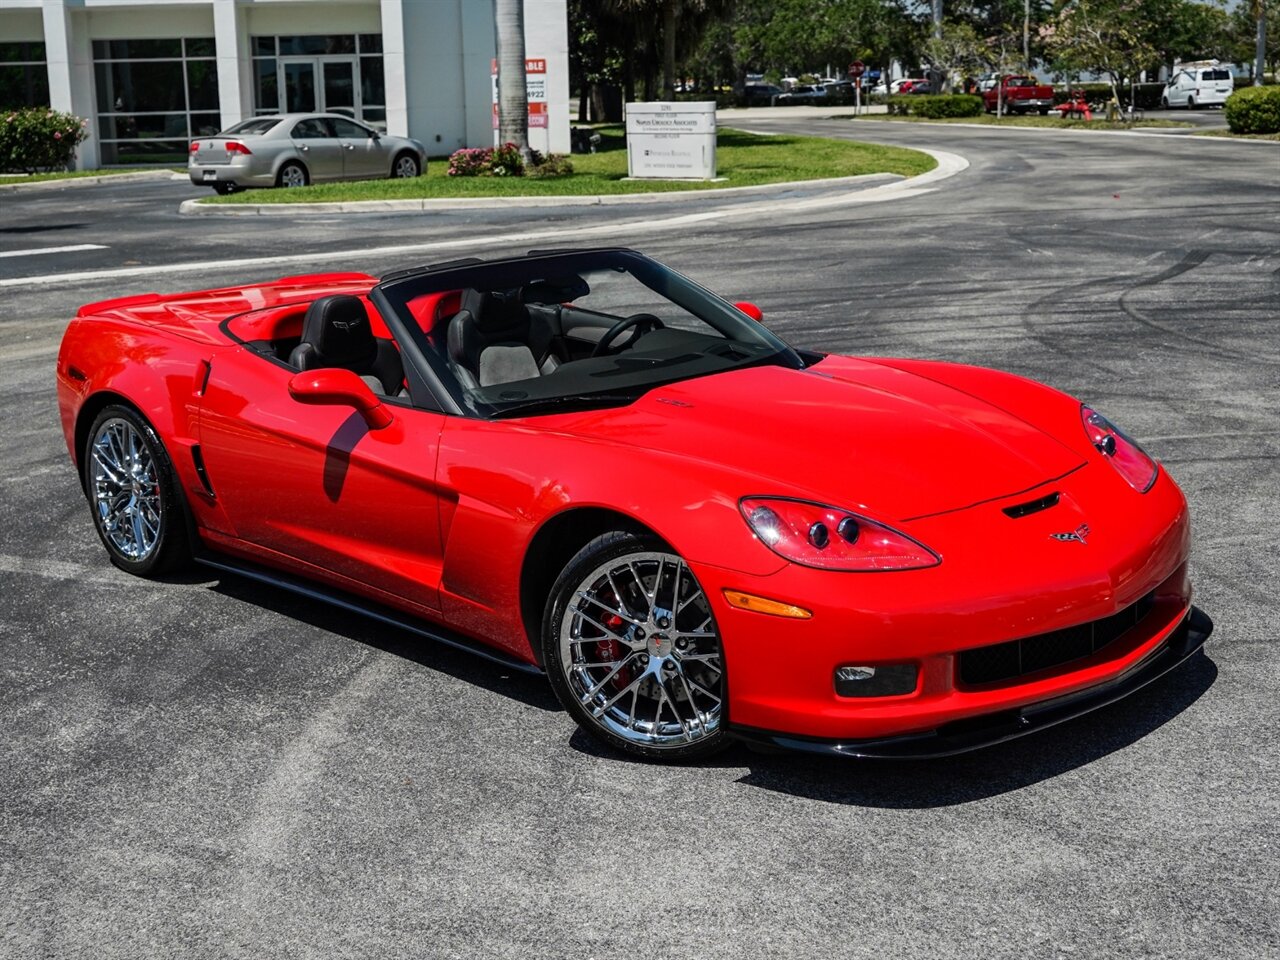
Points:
394	293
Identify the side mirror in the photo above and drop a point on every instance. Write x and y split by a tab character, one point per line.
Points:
751	310
337	387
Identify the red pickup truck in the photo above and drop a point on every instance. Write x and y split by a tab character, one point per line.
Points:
1020	95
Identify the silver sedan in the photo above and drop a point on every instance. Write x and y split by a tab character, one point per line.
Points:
295	149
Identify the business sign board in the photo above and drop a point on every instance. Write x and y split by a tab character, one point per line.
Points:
671	141
535	78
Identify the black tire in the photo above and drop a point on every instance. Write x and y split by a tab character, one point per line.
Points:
1044	111
1164	103
653	671
405	166
223	189
290	172
171	546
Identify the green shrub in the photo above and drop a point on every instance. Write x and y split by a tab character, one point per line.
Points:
551	165
1254	110
39	140
935	106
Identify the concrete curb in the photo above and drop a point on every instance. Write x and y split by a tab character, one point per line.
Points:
429	205
91	181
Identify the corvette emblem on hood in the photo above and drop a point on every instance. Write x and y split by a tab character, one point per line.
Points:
1078	534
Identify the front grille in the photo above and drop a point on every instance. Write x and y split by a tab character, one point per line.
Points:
1016	658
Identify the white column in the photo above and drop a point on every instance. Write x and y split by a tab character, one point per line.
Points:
393	67
69	60
232	50
57	46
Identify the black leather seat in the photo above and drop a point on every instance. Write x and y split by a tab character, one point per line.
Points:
336	333
493	339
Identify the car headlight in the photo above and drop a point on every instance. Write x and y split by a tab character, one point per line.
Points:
831	538
1129	459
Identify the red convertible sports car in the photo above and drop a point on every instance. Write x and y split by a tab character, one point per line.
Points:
583	463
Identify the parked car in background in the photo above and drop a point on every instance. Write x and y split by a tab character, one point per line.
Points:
802	94
923	86
293	150
1020	94
760	94
905	84
1198	87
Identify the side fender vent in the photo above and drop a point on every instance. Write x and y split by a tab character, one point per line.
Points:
197	460
1032	506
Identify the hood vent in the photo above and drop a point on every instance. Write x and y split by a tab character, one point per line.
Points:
1032	506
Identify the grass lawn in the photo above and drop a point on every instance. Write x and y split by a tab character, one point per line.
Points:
1057	122
743	159
1238	136
72	175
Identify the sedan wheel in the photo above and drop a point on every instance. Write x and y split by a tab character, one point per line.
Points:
135	501
632	649
292	175
405	166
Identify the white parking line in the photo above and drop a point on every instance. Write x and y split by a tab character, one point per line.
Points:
39	250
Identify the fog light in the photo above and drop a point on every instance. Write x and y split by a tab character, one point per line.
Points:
881	681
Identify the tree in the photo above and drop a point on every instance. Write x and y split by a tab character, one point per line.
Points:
513	92
1100	36
957	50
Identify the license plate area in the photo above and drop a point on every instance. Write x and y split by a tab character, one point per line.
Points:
211	175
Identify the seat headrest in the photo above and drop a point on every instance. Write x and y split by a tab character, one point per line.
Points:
495	313
337	327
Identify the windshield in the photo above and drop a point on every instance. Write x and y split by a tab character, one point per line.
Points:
548	333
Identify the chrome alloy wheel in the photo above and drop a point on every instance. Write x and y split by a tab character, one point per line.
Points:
406	166
125	487
640	652
293	175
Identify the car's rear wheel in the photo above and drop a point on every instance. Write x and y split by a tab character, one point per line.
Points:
222	189
1191	103
406	166
292	174
134	497
632	650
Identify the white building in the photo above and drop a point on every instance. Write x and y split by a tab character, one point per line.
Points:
151	74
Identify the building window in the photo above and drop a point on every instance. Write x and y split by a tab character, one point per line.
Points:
154	96
24	78
314	73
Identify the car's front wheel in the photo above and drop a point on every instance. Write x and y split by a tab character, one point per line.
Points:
292	174
631	646
406	166
133	494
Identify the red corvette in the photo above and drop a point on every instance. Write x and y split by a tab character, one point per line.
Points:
584	463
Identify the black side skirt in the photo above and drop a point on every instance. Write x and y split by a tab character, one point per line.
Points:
366	608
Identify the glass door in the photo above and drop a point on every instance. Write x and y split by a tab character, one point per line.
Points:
299	85
339	86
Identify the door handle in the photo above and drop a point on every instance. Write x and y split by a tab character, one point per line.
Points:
348	146
304	148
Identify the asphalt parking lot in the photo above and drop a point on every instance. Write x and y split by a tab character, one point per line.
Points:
209	768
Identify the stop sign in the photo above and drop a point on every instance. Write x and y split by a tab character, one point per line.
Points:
857	68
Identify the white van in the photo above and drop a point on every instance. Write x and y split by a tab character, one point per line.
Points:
1198	87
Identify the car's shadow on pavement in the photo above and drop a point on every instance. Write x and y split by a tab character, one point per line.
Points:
530	690
950	781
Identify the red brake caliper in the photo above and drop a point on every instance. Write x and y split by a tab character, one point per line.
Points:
610	650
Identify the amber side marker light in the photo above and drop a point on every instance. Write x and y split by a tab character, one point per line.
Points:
774	608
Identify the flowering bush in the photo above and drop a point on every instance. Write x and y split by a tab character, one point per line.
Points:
503	161
37	139
507	161
471	162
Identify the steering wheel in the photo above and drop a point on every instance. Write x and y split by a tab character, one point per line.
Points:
643	323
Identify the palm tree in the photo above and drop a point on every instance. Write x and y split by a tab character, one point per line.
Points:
513	94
